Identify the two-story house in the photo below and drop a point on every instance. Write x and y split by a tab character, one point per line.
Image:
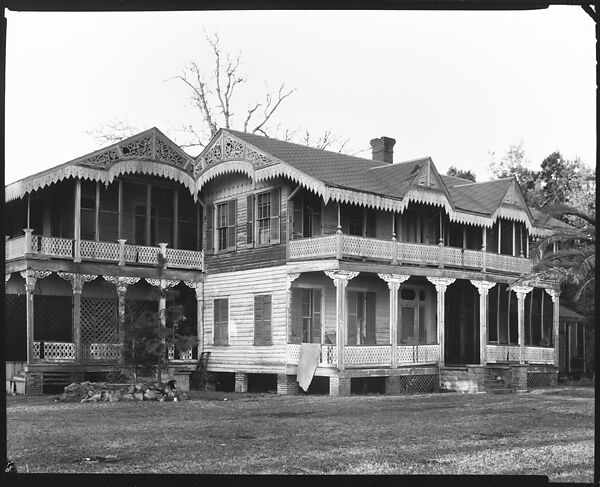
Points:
402	275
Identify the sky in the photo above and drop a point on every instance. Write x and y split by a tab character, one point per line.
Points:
455	86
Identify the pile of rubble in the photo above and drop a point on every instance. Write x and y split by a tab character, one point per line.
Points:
106	392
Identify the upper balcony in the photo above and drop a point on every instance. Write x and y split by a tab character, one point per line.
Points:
87	250
342	246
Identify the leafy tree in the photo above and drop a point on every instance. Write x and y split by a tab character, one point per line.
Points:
461	173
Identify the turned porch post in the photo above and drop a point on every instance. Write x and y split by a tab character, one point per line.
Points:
77	222
393	282
484	288
521	292
441	284
555	295
31	278
340	280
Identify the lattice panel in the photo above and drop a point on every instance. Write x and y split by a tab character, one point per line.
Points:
473	259
418	253
502	353
539	355
56	247
56	351
428	353
184	258
507	263
99	320
147	255
52	318
99	250
538	379
293	353
453	256
328	355
313	247
367	355
417	383
36	350
103	351
406	354
367	247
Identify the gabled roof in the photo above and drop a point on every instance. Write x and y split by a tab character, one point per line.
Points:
334	176
149	152
565	314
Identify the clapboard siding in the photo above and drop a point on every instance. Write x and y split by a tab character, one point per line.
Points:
239	288
273	255
246	255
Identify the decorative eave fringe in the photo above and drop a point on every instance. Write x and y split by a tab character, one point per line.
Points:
19	189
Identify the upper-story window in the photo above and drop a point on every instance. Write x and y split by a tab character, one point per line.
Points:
357	220
222	217
262	217
307	217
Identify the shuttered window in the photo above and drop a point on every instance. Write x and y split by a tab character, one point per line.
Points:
262	320
221	321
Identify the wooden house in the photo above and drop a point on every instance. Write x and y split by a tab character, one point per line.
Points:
404	276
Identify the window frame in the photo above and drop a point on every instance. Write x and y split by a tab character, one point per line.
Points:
266	340
220	341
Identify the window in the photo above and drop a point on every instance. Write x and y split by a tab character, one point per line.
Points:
223	215
306	217
417	325
306	316
262	320
263	217
361	318
221	321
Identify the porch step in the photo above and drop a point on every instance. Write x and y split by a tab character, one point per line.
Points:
494	386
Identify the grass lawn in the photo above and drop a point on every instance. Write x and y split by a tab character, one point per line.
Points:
545	432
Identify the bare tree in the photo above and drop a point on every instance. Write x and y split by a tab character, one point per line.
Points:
214	93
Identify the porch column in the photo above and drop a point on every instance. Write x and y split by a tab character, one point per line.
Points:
521	292
77	282
441	284
121	283
393	282
484	288
291	277
77	222
555	295
340	280
199	288
31	278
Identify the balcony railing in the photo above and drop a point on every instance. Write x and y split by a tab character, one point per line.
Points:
356	356
88	250
350	246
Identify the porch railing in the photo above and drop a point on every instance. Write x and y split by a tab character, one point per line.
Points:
370	355
55	351
118	252
173	353
101	351
341	245
539	355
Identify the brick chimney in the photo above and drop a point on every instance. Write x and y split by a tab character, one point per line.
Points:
383	149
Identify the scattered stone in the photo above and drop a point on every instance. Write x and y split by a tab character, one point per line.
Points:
87	392
128	397
150	395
